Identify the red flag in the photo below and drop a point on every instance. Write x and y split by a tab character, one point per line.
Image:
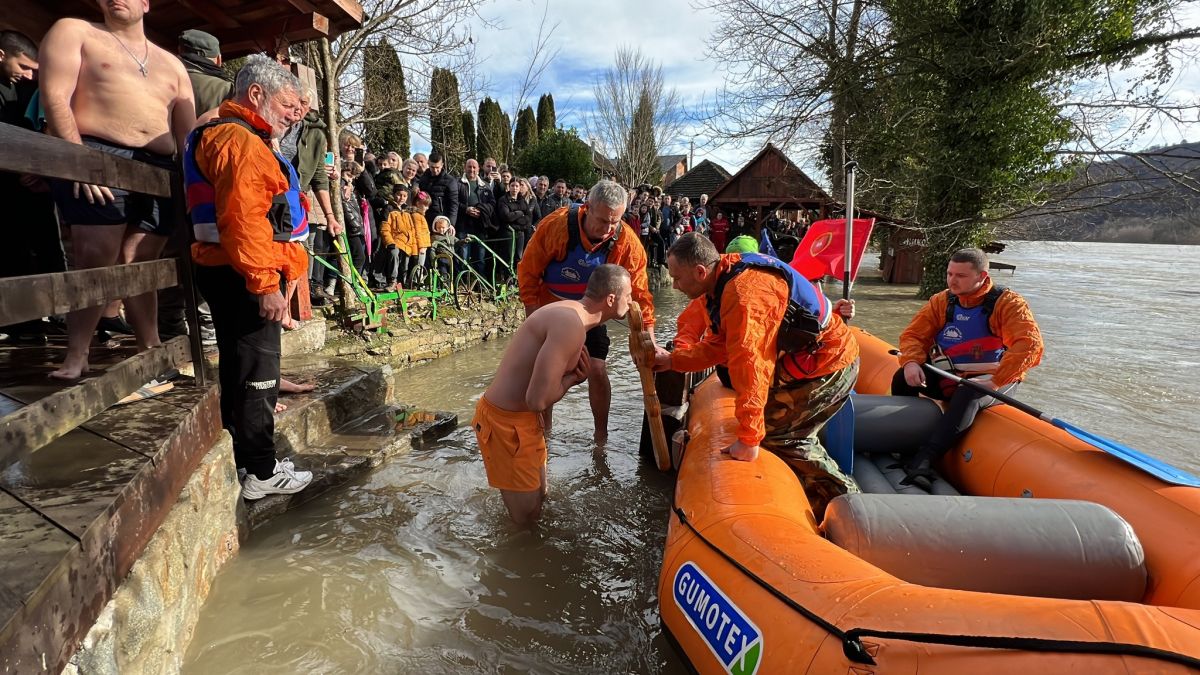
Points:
824	247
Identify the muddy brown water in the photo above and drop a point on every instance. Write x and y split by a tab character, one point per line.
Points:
414	568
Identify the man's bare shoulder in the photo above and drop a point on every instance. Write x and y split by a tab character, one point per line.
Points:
71	29
564	315
168	58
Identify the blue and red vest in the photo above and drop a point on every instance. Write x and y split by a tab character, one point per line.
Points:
967	339
287	215
808	312
567	278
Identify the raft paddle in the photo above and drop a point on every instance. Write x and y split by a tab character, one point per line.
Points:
641	348
1157	468
851	167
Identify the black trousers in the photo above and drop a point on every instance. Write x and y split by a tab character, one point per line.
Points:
248	346
962	407
32	244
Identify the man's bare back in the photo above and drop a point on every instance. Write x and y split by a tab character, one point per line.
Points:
553	336
99	75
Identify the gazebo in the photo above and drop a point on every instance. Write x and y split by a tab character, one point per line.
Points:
767	183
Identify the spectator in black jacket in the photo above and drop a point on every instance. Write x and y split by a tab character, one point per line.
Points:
477	217
516	213
555	199
442	189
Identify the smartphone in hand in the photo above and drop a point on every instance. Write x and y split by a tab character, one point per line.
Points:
329	159
360	155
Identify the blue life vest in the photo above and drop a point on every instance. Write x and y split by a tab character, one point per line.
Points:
567	278
808	312
287	215
967	339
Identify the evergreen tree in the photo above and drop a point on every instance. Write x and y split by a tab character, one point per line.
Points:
445	119
545	114
507	151
527	130
558	154
384	93
492	131
468	129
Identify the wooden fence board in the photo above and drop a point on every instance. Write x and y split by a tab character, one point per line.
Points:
32	297
39	423
41	155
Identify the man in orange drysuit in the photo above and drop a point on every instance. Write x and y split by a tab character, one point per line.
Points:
566	247
792	360
246	208
972	329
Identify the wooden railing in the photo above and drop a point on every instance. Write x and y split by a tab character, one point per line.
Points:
35	296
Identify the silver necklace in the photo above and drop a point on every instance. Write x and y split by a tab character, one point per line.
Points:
140	62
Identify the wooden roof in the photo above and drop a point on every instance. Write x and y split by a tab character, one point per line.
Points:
703	179
770	179
242	26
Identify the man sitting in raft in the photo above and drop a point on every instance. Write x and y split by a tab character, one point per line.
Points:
545	358
792	360
973	329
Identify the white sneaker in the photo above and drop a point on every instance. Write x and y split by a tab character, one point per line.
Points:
285	481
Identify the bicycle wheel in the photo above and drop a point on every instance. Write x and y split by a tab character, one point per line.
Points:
417	277
468	291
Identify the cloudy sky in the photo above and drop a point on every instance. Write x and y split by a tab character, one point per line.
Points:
589	32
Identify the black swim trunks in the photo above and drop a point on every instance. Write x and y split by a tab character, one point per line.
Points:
154	215
596	341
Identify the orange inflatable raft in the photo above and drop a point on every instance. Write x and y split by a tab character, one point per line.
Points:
751	583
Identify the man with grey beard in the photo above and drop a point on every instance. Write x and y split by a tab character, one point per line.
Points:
247	210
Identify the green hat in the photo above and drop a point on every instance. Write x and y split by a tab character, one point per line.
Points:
742	244
198	43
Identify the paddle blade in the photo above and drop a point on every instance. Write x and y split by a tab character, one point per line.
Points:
1155	467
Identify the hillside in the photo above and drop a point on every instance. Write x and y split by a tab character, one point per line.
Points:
1151	198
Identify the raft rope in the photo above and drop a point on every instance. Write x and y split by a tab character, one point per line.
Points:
854	649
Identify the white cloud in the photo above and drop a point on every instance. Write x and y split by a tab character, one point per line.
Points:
671	32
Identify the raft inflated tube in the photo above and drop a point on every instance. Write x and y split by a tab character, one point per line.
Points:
889	424
869	478
1048	548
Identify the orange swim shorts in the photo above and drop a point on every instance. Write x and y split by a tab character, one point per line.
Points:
513	447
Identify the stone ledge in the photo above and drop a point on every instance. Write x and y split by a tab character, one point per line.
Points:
147	625
309	338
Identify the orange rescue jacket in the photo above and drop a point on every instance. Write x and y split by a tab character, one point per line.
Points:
245	176
1012	321
549	242
752	309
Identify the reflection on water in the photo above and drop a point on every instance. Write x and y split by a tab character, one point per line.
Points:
415	569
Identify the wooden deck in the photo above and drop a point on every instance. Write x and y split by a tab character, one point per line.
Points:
76	513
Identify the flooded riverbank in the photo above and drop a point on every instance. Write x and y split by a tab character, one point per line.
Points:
415	569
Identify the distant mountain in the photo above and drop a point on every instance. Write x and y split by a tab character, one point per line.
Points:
1153	197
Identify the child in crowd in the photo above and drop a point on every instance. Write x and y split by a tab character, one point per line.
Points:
442	246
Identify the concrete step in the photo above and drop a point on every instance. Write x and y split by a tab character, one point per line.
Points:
344	390
353	449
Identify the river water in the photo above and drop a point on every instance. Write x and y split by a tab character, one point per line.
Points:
414	567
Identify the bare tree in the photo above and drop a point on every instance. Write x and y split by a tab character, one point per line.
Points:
426	34
793	69
636	115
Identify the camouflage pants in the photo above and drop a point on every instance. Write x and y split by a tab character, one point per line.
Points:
796	410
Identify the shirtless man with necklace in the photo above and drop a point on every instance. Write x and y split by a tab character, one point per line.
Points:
104	85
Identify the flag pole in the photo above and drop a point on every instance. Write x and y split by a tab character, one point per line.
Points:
849	255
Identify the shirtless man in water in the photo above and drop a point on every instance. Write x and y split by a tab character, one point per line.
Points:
105	86
545	358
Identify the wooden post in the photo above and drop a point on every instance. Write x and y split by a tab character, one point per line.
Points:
329	89
187	283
